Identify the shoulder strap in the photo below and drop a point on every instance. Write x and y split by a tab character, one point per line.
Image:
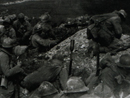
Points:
10	55
102	17
3	50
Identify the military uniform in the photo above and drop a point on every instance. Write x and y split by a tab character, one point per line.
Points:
47	32
117	76
107	30
7	30
114	75
38	41
41	43
7	71
23	29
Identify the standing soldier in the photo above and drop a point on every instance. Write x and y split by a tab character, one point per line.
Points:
7	69
23	29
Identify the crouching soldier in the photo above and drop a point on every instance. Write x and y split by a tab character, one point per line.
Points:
23	29
106	30
38	40
7	69
45	22
114	75
32	80
7	30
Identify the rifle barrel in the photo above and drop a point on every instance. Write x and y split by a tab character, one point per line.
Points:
71	58
98	56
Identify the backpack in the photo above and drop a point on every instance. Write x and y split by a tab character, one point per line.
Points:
98	31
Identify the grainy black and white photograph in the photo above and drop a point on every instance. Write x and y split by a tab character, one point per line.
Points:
64	48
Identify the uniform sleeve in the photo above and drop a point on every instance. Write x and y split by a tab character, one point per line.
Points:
48	29
44	42
29	29
52	35
5	67
13	33
15	25
117	27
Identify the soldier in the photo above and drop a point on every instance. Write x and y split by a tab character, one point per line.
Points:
47	32
38	40
7	30
117	75
106	30
23	29
12	17
8	70
32	81
114	75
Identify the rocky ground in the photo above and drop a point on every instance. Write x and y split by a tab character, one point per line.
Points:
82	65
80	60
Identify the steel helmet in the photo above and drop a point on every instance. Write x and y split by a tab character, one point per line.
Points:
46	88
6	20
123	13
19	50
8	42
38	28
12	17
45	17
21	16
124	61
75	85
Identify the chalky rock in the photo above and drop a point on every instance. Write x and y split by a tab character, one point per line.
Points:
82	65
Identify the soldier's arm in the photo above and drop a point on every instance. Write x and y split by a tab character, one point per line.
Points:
13	33
15	25
117	27
7	71
1	31
45	42
29	30
51	32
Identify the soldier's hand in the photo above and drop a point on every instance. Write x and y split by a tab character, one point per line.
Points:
19	63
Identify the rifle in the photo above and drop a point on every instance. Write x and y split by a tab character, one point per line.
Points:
98	56
71	59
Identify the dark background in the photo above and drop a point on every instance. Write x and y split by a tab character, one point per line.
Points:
61	9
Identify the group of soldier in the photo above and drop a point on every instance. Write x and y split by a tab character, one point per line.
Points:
17	36
104	32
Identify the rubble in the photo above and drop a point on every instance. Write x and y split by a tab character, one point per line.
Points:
82	65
